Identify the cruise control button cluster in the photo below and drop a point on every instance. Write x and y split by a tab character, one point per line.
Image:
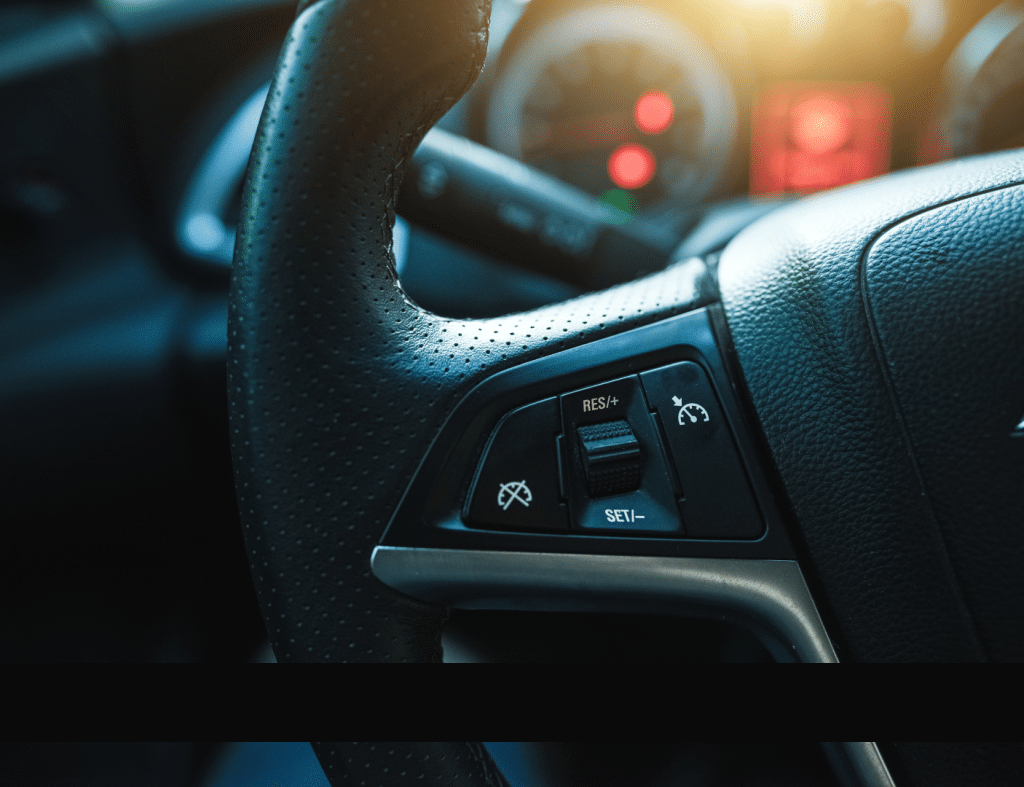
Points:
648	454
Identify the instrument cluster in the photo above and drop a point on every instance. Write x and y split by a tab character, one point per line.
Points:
675	103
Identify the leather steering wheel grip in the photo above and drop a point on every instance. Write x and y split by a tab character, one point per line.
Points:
395	764
337	382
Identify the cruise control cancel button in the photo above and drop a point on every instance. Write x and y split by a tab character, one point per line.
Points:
517	485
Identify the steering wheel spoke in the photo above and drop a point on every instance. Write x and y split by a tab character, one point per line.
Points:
500	514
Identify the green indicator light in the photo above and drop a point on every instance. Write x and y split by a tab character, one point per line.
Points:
623	202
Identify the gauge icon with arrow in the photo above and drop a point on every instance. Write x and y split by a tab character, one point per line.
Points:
690	412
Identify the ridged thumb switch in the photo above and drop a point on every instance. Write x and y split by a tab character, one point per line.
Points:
612	462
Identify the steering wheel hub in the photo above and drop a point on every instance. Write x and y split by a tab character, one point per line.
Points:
879	332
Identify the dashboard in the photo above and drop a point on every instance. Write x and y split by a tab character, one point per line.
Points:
121	171
674	112
740	83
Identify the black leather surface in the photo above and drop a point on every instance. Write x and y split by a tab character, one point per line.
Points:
915	551
400	763
337	382
946	764
946	295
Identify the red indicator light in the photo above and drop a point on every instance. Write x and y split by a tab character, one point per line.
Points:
821	124
631	166
809	136
653	112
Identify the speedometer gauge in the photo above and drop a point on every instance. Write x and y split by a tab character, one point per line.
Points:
617	100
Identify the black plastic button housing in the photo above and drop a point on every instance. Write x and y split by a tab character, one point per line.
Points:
434	512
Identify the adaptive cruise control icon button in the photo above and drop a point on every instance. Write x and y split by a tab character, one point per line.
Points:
517	484
717	501
690	413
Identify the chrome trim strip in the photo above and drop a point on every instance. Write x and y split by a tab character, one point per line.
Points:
768	596
201	229
868	766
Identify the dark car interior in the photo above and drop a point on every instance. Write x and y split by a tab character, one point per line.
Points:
124	148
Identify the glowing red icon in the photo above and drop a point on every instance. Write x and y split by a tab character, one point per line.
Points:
631	166
809	136
821	124
653	112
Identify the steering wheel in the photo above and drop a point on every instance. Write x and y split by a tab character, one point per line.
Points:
852	488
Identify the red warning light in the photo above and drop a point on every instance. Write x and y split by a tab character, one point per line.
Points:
631	166
812	136
653	112
821	124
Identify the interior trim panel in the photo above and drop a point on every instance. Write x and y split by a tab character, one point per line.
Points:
770	597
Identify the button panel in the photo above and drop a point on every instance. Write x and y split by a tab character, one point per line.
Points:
648	454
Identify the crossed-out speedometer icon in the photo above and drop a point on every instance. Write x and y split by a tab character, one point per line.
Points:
514	491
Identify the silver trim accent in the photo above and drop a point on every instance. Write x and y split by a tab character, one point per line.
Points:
768	596
201	229
868	766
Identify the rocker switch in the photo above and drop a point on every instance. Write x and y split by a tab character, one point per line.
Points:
611	458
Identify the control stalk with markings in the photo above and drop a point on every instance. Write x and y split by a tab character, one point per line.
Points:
494	203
